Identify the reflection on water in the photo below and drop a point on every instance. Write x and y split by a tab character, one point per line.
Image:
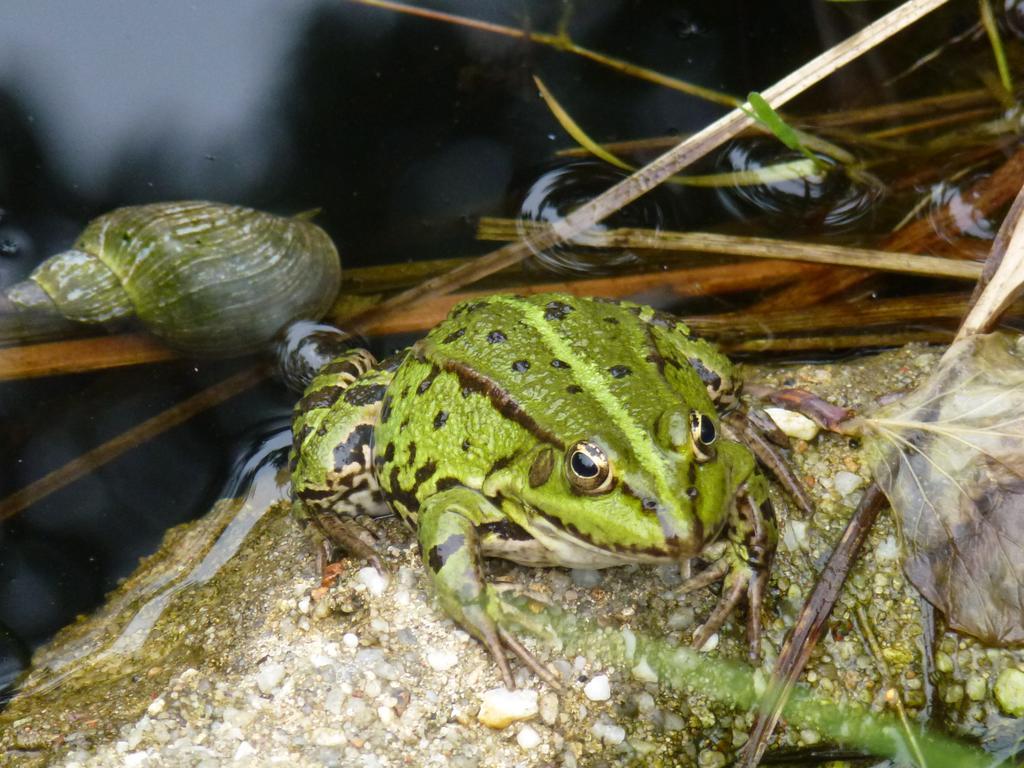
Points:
828	201
257	481
953	212
559	190
306	347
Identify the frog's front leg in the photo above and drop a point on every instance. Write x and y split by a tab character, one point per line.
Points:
743	560
450	547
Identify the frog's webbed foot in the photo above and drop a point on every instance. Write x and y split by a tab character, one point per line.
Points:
451	551
745	431
743	562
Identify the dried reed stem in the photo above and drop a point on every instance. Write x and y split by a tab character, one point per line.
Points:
756	247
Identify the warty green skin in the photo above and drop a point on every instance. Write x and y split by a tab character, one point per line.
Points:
468	436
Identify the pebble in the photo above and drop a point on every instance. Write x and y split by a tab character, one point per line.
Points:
976	687
710	644
710	758
549	708
673	722
528	738
809	736
585	577
794	536
270	676
442	661
245	749
350	640
598	689
643	672
328	737
888	550
373	580
847	482
156	707
609	733
684	617
793	424
1009	692
501	707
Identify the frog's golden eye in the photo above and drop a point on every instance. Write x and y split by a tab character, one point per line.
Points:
704	434
587	467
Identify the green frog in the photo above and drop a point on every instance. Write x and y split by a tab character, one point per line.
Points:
550	430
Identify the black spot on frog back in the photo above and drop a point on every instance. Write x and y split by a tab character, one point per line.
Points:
557	310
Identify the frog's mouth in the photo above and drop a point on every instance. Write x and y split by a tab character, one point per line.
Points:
567	546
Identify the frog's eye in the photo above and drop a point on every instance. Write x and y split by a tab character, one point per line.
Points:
587	468
704	434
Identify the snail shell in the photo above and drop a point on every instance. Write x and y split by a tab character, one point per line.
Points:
207	278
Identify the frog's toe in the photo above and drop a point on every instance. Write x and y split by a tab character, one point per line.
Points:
531	661
487	632
732	594
742	579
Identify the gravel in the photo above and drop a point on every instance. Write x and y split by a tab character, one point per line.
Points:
259	664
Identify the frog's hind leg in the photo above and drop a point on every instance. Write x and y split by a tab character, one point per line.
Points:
742	561
450	546
331	463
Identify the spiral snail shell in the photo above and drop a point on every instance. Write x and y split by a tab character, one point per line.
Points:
207	278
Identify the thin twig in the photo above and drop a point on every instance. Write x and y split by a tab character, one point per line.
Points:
140	433
810	624
560	42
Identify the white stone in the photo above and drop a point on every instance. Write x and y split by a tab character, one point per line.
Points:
794	535
136	759
609	733
501	707
644	673
847	482
888	550
270	676
442	661
549	708
374	581
598	689
528	738
710	644
793	424
245	750
329	737
156	707
350	640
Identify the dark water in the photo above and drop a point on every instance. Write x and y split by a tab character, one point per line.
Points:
402	131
